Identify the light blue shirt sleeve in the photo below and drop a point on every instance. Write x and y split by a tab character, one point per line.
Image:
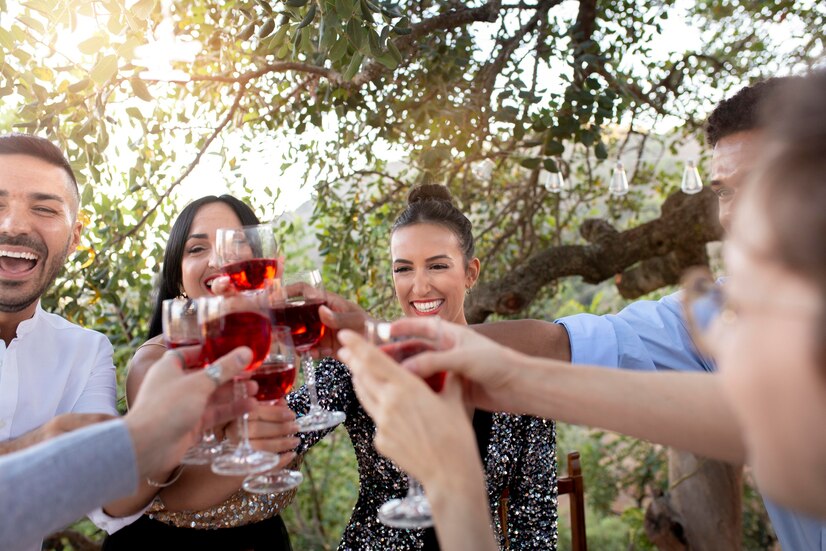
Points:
796	532
51	484
647	335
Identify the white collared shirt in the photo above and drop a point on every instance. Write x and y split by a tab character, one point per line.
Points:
52	367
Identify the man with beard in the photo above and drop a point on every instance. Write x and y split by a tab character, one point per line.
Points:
55	376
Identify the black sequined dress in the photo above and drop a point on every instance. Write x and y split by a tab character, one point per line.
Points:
519	455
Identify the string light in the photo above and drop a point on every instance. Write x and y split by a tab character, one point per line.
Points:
619	181
691	183
554	182
158	54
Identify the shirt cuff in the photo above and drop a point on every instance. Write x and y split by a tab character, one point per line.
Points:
593	340
112	524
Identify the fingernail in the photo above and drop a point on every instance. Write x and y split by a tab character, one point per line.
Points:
244	355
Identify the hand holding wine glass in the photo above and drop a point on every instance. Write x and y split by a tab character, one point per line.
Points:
249	256
414	424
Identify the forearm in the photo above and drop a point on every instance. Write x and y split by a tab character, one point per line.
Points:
682	410
535	338
49	486
199	488
460	509
22	442
137	501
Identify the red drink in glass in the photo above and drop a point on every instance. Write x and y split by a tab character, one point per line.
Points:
275	380
303	320
224	334
201	361
402	350
248	275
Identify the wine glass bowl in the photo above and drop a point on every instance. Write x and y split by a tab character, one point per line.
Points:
249	255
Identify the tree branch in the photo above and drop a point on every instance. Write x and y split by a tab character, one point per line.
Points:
687	221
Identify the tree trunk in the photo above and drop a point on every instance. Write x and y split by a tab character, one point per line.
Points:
703	509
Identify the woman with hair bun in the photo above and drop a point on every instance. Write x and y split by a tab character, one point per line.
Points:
434	266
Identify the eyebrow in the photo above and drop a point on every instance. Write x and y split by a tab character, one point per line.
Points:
197	236
431	259
37	196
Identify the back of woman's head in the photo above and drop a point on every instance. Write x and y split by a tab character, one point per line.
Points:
432	204
170	284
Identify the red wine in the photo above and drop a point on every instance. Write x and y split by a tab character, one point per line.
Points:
253	273
224	334
402	350
200	362
274	380
303	320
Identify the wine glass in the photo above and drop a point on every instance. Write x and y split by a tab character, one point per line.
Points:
413	510
275	378
302	295
179	318
228	322
249	255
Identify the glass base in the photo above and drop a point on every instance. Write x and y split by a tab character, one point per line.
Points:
268	483
244	463
201	454
410	512
320	419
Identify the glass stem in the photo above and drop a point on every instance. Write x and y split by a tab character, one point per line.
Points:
240	390
208	437
414	489
309	371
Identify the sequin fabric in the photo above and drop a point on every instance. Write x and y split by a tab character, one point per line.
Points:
521	457
240	509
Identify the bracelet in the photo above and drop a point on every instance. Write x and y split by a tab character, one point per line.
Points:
178	470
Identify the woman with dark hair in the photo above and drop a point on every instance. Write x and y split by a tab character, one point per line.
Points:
433	268
201	509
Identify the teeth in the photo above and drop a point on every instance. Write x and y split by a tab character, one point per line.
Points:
15	254
425	307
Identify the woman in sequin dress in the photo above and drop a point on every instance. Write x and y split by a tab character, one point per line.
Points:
433	265
202	510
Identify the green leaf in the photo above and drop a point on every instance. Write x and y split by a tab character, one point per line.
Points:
92	45
353	68
266	29
394	51
296	3
601	151
373	43
344	8
79	86
143	9
105	69
550	165
553	148
531	163
247	31
309	17
339	49
388	61
140	89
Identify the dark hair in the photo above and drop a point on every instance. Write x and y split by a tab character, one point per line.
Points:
432	204
171	279
40	148
742	111
792	188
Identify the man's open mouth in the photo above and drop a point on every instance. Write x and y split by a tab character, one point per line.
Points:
17	263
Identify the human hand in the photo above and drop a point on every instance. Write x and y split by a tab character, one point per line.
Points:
172	405
414	425
271	428
339	314
487	367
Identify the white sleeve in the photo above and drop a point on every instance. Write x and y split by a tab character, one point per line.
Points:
113	524
100	393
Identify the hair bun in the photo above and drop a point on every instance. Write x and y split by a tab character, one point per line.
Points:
429	192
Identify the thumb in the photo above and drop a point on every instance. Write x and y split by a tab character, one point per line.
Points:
341	320
228	366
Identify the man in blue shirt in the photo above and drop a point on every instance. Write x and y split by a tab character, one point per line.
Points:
653	335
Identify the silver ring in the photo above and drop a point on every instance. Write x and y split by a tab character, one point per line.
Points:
213	371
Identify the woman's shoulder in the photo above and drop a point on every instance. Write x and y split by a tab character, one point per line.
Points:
145	357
